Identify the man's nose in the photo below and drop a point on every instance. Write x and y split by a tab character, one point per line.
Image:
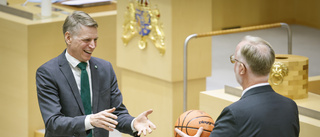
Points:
92	44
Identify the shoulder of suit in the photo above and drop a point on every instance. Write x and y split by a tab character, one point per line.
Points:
50	63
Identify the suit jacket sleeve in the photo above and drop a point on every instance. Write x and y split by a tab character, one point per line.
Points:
225	125
124	118
49	102
109	94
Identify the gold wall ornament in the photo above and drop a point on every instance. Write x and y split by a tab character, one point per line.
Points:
141	20
278	72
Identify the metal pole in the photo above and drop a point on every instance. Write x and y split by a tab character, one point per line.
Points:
289	37
185	66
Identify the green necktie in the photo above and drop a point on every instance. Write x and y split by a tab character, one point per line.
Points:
85	90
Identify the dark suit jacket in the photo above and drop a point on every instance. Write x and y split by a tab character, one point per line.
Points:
60	101
261	112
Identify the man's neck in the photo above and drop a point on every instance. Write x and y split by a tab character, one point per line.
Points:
253	86
253	81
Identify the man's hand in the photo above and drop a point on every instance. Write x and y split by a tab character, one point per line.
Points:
104	119
142	124
185	135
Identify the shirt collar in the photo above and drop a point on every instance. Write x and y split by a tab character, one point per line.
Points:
73	61
253	86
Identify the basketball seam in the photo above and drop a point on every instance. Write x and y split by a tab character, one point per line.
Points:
185	119
193	119
192	128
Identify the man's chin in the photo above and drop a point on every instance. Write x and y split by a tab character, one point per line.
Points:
85	59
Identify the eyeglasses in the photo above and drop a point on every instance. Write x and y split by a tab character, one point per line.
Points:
234	60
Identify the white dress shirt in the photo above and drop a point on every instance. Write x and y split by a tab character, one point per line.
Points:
73	62
253	86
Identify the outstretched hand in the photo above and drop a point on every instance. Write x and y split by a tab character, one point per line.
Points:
185	135
104	119
142	124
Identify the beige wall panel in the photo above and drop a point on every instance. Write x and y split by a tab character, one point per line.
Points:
13	59
194	88
15	1
308	13
232	13
191	17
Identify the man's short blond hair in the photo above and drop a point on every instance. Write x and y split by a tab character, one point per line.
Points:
74	21
259	55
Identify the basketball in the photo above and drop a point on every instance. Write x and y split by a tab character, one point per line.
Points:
190	121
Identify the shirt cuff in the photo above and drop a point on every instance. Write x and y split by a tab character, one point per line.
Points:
87	123
133	129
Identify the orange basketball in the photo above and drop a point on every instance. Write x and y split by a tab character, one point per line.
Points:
189	122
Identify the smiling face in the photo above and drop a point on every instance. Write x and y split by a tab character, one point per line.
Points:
82	43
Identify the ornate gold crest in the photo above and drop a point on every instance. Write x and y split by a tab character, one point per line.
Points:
141	20
278	71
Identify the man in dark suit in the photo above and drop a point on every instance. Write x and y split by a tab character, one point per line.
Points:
66	108
261	112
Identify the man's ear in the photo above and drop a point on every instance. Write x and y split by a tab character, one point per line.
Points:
243	69
67	38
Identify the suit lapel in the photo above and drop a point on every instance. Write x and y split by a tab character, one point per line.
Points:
95	84
67	72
